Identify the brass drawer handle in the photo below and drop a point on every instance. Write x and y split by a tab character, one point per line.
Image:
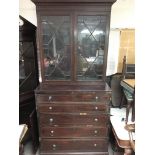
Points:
50	108
52	131
51	120
96	120
54	145
50	98
96	98
95	145
95	131
96	108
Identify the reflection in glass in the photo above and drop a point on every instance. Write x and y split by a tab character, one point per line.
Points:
90	48
26	65
21	62
57	47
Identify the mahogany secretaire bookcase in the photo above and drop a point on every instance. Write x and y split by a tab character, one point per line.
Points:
73	98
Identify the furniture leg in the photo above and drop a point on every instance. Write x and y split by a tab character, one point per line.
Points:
128	151
127	110
133	112
122	102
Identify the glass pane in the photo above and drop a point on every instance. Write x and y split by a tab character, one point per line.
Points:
90	48
21	62
27	71
57	47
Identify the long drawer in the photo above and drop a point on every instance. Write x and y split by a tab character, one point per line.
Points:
74	119
74	153
85	145
72	98
74	132
74	107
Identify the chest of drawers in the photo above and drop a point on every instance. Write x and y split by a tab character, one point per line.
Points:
73	120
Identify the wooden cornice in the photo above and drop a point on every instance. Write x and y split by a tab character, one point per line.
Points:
73	1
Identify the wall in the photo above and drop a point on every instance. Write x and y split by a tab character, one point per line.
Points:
126	48
27	9
122	14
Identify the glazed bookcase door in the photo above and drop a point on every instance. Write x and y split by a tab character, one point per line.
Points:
91	34
56	46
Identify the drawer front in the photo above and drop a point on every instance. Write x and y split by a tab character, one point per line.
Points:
51	145
67	108
73	132
72	98
73	119
73	153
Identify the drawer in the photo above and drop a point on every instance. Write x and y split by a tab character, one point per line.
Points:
72	98
74	132
73	153
74	107
85	145
74	119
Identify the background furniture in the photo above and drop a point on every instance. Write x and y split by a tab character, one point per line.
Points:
28	78
128	70
22	132
73	98
118	128
128	86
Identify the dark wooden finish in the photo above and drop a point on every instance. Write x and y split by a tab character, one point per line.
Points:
73	107
27	110
83	145
79	119
74	132
74	1
73	115
123	144
72	10
50	98
72	153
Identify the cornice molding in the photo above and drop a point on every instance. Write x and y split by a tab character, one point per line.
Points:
73	1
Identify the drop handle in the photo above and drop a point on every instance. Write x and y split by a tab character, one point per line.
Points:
51	120
96	120
54	145
96	98
96	108
95	131
50	98
50	108
52	131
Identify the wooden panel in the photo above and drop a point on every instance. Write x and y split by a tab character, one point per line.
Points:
51	145
74	119
73	153
72	98
74	132
73	108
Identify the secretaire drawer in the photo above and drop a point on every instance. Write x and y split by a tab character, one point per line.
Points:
74	107
86	145
74	132
71	98
77	119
